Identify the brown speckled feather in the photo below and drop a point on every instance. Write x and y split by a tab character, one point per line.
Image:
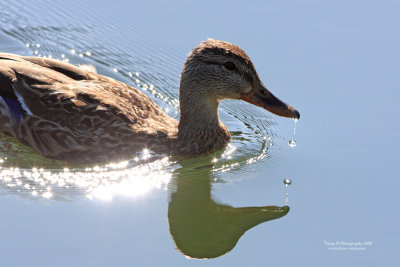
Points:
81	115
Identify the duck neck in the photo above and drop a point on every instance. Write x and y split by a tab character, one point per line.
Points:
197	114
200	129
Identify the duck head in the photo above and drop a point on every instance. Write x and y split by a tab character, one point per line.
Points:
217	70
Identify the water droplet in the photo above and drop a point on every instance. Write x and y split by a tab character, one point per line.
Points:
115	69
292	143
287	181
72	51
88	53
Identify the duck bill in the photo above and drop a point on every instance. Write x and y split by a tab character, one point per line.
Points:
260	96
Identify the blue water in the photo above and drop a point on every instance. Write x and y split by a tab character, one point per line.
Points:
336	62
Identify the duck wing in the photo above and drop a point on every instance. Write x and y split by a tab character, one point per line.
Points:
64	109
56	90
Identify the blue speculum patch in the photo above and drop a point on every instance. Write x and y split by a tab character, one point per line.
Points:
15	109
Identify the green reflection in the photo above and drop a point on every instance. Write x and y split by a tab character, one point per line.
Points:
23	156
202	227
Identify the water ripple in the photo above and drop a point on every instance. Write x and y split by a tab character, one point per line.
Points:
153	66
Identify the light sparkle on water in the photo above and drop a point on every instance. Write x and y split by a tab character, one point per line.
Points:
99	182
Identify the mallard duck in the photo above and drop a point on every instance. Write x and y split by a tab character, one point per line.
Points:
74	114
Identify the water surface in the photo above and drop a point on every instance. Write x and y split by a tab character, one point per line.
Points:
336	63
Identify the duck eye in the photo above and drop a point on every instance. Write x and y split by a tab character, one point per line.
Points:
229	65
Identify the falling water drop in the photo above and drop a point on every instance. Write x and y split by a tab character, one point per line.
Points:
287	181
292	143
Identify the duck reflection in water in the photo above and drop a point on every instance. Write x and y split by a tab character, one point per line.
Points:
202	227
